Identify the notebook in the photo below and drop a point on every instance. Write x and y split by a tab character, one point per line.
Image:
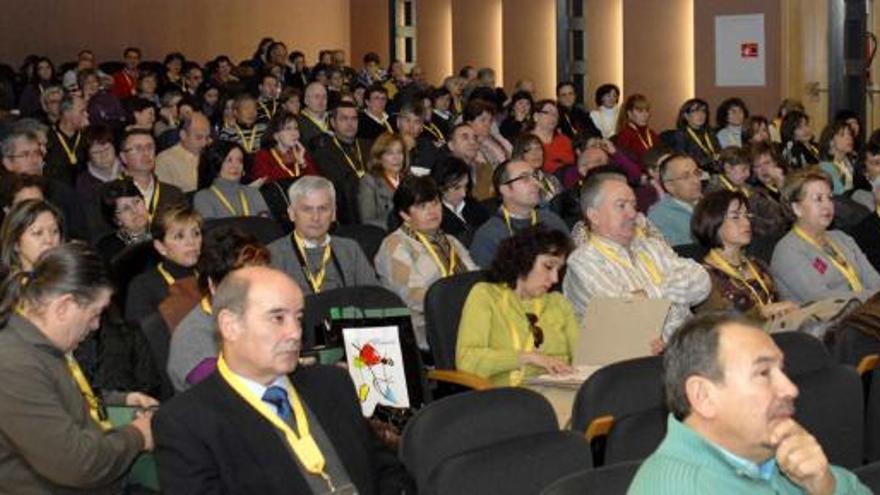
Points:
615	329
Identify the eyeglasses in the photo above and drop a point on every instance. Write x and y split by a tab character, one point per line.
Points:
738	215
27	154
528	175
695	174
537	332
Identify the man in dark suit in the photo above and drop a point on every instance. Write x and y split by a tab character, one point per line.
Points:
255	426
343	158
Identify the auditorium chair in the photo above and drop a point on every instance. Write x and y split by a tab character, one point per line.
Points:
503	440
621	410
608	480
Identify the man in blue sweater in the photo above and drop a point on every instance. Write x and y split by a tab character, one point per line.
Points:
732	429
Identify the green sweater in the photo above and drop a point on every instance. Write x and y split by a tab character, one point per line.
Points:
686	464
485	345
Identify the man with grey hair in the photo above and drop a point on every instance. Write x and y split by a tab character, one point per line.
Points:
50	105
732	429
262	424
681	178
66	151
312	119
620	261
179	164
314	258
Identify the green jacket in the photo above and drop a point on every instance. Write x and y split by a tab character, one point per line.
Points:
686	464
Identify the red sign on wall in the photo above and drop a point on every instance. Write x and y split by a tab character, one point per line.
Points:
748	49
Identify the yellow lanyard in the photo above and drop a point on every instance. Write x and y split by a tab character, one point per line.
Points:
571	126
730	187
708	148
88	394
302	443
434	131
248	144
357	170
547	185
516	376
838	259
813	150
844	171
319	124
153	206
647	144
506	215
245	207
316	281
165	275
70	152
715	259
206	305
283	166
266	109
647	262
444	271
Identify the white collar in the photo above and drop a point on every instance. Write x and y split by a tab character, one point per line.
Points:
456	209
258	389
311	245
382	121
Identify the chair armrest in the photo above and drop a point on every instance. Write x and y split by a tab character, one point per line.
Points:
599	427
868	364
462	378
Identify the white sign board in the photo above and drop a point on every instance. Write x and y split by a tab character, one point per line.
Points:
740	50
375	363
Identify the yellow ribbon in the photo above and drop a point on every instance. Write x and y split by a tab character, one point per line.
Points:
245	206
444	271
248	144
165	274
506	214
95	410
730	187
302	443
708	148
517	376
647	262
71	153
715	259
316	281
435	131
154	201
283	165
319	124
359	171
266	109
837	258
647	144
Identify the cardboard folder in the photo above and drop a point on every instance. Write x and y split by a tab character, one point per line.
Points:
615	329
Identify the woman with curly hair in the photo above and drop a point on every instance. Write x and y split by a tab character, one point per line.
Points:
514	327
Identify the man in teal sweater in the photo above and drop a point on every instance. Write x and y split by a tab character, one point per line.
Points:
732	429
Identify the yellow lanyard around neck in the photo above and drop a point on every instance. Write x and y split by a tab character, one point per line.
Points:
647	144
506	214
165	274
838	259
517	376
245	206
280	162
153	206
715	259
269	114
358	170
247	143
70	152
435	131
302	443
644	258
444	270
708	148
812	149
730	187
205	303
316	281
88	394
320	124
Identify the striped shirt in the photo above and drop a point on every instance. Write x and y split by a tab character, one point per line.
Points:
682	281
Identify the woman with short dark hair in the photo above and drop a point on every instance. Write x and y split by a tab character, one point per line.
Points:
221	193
799	147
31	227
514	327
123	208
722	223
730	117
693	137
419	253
462	214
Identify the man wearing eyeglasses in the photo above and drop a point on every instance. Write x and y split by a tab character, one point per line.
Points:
682	179
517	184
138	156
22	154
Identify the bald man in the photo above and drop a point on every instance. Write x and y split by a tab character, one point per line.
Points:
179	164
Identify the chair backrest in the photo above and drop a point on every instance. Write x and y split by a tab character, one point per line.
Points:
158	339
694	251
872	418
869	474
275	195
368	237
264	229
803	352
444	303
521	466
609	480
129	263
830	406
471	420
318	306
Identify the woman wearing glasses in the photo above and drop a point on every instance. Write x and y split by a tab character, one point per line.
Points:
812	262
513	327
722	223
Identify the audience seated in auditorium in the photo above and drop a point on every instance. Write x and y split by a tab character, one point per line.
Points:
558	150
528	147
372	120
693	136
517	184
836	147
462	214
680	177
634	135
605	115
137	151
313	117
421	146
868	179
312	257
387	166
221	193
722	224
734	171
730	117
283	155
267	101
619	261
29	229
125	81
731	428
65	150
812	262
177	237
799	148
192	352
419	253
519	113
252	399
493	148
513	327
123	208
770	218
572	120
179	164
246	131
56	435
